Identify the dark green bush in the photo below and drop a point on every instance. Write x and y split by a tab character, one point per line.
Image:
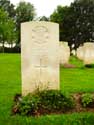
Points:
87	100
55	100
47	101
89	65
29	104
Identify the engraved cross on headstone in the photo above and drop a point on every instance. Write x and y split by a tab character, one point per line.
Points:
42	64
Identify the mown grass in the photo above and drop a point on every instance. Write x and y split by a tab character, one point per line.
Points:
79	79
10	82
67	119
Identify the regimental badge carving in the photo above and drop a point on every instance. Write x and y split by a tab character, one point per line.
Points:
40	35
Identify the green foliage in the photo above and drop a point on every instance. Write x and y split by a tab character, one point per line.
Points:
10	19
8	7
89	65
28	104
25	11
87	100
49	100
43	18
7	23
58	16
7	29
55	100
76	22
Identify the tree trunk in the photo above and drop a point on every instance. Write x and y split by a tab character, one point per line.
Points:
3	48
11	46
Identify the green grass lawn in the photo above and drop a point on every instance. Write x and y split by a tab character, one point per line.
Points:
79	79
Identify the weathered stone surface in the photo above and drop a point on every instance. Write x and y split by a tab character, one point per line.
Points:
64	52
88	53
80	53
39	56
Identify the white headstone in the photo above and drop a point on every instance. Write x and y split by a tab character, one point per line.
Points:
64	52
88	53
39	56
80	53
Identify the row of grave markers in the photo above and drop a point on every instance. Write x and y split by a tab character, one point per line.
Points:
86	53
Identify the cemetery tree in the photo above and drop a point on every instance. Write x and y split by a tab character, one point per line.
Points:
6	28
11	33
58	16
76	22
9	9
3	27
84	23
25	11
64	16
7	6
43	18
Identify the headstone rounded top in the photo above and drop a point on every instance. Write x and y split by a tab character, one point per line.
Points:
63	43
39	22
88	44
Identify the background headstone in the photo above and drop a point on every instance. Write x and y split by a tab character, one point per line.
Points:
64	52
80	53
88	53
39	56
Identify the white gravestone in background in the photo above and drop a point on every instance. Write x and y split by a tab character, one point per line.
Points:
80	53
64	52
39	56
88	53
